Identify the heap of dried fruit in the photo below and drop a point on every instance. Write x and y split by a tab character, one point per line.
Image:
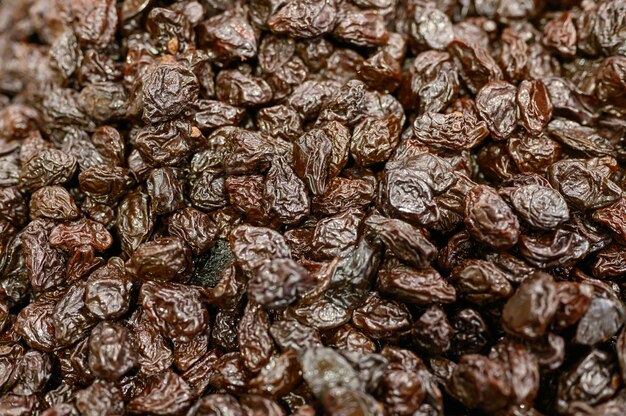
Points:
339	207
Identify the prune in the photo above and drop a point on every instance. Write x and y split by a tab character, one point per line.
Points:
13	206
339	136
20	405
230	373
215	404
323	313
245	193
560	247
18	121
435	171
609	80
34	323
165	190
163	259
154	355
194	227
458	248
568	101
346	104
210	114
309	98
343	194
350	339
45	264
495	163
287	77
74	363
275	51
489	219
574	300
610	262
110	144
349	401
522	369
103	101
290	334
83	232
279	376
224	333
381	72
34	371
71	319
207	192
94	67
237	150
94	23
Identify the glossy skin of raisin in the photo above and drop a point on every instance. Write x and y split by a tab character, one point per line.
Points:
489	219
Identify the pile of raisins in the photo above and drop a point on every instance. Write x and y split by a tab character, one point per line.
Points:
313	207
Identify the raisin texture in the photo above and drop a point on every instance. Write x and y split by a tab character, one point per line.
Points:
313	207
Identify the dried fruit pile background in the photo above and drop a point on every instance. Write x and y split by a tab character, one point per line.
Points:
331	207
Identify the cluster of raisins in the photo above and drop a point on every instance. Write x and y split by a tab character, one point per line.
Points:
312	207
